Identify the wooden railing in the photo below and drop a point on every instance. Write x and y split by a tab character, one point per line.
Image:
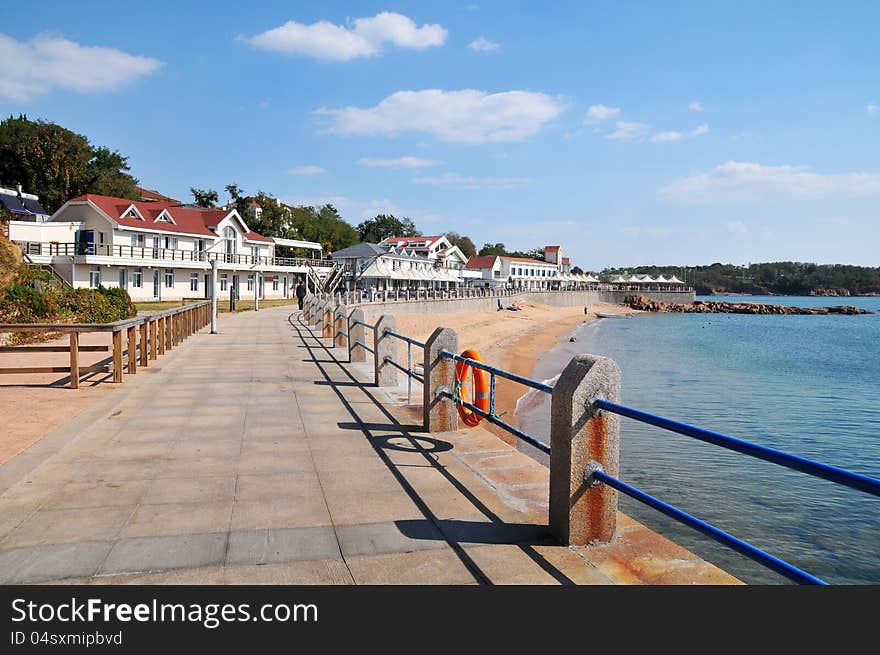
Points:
146	337
163	254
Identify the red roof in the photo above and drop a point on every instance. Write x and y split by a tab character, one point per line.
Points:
189	220
151	195
481	262
551	248
566	260
405	242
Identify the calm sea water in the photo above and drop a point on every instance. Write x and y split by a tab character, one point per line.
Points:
808	385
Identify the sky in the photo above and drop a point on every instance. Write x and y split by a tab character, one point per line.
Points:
630	133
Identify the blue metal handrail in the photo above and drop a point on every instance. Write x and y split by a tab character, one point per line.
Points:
540	445
500	372
832	473
404	338
766	559
366	325
365	347
410	373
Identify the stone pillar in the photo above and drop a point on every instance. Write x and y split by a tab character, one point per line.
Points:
340	326
356	333
385	374
581	513
327	320
439	414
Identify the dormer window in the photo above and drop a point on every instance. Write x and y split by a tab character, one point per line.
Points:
164	217
133	213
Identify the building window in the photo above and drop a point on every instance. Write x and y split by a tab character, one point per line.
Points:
137	278
250	283
275	283
137	240
169	278
224	282
95	277
123	277
171	243
193	281
255	252
231	242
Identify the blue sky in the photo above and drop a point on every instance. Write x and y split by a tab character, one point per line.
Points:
628	132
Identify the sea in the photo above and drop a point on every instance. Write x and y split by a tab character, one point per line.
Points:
808	385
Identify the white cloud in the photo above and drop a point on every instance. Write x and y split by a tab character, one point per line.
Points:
363	37
743	181
32	68
482	44
736	227
629	131
663	137
599	113
872	109
467	116
696	106
400	162
468	182
309	169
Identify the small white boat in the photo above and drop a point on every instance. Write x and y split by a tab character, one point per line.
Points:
604	315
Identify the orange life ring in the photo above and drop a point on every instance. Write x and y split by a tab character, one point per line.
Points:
481	388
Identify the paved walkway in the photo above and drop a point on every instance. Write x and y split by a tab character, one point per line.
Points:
259	456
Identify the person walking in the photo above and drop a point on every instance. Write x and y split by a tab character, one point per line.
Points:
300	294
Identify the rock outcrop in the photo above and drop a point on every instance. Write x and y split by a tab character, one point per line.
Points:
645	304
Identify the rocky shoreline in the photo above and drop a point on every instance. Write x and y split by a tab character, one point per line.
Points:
645	304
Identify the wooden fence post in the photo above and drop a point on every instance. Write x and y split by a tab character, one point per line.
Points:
74	360
117	356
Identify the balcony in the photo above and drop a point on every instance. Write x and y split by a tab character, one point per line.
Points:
35	248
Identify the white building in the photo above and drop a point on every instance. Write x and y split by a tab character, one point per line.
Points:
430	262
552	273
163	251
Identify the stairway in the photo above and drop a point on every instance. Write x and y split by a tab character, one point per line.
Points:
325	282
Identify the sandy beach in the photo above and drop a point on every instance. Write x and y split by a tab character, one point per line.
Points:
509	340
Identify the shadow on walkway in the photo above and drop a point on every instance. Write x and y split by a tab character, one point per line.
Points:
456	533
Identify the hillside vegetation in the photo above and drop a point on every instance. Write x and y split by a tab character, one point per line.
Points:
771	278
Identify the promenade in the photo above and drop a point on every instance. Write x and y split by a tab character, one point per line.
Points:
258	455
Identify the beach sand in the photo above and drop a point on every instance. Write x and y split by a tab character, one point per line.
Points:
509	340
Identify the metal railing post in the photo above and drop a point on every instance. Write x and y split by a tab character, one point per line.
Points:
439	414
356	333
384	346
580	438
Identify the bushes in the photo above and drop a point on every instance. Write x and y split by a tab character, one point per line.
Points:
24	304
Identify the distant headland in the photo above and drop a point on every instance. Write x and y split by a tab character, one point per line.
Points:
770	278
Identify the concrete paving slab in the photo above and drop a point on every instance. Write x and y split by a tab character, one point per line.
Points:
314	572
425	567
164	553
282	545
178	518
99	494
52	562
281	512
55	526
190	490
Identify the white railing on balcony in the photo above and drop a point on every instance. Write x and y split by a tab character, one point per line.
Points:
163	254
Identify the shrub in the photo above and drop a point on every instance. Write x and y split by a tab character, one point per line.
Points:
23	304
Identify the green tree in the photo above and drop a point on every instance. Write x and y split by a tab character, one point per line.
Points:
108	174
464	244
207	198
493	249
237	196
58	164
383	226
577	270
